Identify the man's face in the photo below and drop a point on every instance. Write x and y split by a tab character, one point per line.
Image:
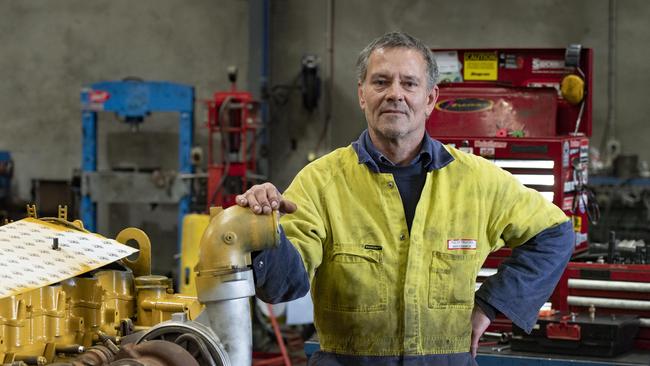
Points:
394	94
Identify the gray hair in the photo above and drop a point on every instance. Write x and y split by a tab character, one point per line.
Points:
397	40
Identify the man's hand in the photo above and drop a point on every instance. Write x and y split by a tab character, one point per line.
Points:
264	198
480	322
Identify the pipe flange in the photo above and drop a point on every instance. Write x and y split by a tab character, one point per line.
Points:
225	286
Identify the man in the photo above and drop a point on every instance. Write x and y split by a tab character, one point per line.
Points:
392	230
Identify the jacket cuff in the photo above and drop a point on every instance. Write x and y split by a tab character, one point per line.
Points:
489	310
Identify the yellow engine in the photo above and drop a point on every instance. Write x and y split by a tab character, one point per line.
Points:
54	322
71	297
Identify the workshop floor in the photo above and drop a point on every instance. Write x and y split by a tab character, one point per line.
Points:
295	347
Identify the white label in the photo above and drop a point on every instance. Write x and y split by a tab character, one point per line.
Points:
486	151
469	150
565	154
569	186
461	244
491	143
447	62
539	64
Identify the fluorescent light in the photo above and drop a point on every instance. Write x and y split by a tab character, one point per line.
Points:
531	164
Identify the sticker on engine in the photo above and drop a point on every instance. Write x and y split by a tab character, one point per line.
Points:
37	253
480	66
461	244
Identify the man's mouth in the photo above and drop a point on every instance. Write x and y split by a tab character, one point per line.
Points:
392	111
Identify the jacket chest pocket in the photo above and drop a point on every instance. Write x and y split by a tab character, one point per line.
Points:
452	280
353	279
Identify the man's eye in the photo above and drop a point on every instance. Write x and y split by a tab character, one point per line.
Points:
410	84
379	82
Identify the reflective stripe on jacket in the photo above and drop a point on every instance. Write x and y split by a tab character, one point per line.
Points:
380	290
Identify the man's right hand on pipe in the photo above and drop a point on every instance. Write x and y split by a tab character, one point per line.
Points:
264	198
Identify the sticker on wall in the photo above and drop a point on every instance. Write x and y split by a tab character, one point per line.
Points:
565	154
36	254
480	66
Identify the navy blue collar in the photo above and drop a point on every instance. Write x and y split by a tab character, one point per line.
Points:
433	154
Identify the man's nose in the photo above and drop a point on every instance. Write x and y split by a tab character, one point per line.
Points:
395	92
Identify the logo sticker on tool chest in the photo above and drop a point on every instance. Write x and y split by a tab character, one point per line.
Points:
464	105
461	244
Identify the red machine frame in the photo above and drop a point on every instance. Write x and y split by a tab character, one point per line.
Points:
234	116
569	296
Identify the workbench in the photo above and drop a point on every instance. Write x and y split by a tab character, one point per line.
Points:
489	357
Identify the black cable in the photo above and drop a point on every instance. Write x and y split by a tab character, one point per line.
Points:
591	204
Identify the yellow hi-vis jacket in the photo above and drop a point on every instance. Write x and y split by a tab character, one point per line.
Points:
380	290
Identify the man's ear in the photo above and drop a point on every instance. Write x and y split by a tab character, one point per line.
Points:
362	99
432	98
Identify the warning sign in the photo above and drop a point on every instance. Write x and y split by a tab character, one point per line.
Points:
577	223
481	66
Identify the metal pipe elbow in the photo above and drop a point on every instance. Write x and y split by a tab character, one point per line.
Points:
232	235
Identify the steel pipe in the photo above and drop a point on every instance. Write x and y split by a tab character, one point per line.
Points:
224	282
604	302
609	285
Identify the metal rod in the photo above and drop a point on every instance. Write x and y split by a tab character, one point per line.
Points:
609	285
608	303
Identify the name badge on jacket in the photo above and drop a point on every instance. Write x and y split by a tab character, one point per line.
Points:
461	244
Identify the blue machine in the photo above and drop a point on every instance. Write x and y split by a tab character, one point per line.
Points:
132	101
